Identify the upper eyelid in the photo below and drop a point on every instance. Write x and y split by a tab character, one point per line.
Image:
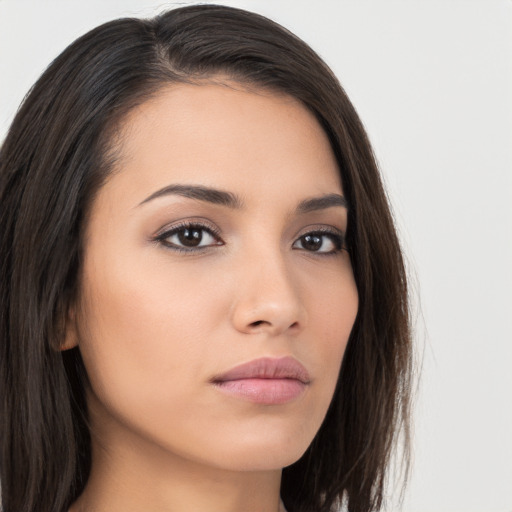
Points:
169	229
323	229
335	232
214	230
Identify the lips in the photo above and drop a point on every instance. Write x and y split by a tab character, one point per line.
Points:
265	381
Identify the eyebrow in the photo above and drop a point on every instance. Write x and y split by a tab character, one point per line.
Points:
321	203
207	194
230	200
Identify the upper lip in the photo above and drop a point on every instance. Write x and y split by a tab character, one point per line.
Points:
267	368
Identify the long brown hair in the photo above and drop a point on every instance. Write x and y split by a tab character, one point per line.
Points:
59	150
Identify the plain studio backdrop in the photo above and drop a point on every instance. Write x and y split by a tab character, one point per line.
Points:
432	82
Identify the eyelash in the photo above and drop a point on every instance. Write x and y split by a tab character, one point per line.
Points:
337	238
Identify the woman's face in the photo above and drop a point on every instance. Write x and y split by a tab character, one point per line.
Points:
217	241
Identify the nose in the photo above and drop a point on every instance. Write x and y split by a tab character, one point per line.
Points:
268	299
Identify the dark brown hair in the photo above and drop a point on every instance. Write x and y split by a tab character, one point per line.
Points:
57	154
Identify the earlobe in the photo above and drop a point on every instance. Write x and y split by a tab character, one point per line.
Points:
69	342
70	335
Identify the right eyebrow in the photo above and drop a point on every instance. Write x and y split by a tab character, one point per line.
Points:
202	193
322	203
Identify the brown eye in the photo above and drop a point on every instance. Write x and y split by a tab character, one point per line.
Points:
189	237
320	242
312	242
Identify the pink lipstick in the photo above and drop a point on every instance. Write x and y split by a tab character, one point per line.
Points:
265	381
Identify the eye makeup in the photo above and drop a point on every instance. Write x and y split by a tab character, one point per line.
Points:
322	241
196	236
189	236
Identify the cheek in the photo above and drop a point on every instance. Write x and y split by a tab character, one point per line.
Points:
337	317
142	327
332	312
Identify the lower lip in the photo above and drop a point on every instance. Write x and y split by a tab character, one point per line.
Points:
263	391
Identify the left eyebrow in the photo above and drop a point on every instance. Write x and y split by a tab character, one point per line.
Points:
201	193
321	203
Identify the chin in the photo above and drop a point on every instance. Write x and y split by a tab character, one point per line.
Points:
263	454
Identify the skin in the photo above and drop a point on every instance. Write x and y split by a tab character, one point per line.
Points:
154	325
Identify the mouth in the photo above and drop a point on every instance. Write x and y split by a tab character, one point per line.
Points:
265	381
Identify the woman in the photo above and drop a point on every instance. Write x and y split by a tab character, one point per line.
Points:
204	303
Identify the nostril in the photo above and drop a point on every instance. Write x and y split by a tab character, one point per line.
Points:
261	322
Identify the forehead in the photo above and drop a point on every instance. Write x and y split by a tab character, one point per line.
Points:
224	135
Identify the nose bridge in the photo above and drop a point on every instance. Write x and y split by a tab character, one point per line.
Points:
268	296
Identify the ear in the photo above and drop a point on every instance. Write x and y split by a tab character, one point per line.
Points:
70	331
